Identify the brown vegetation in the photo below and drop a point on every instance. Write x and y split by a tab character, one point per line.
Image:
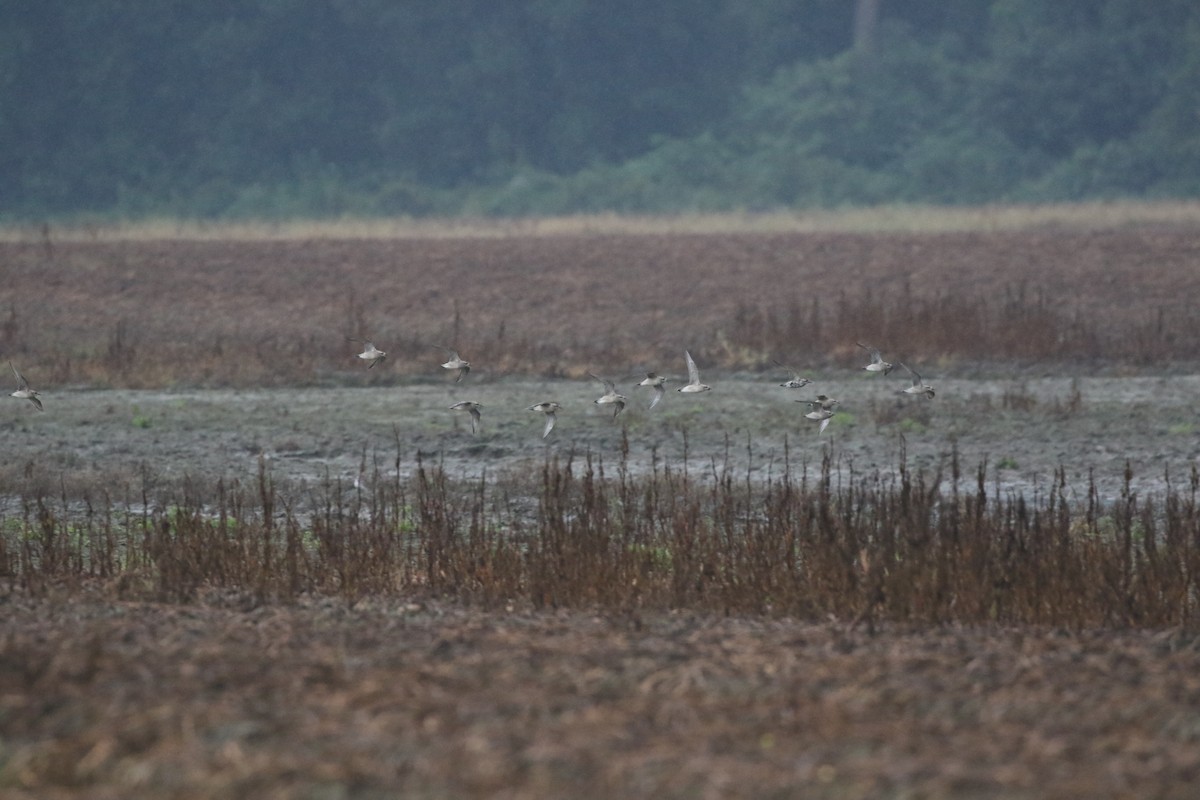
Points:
422	699
268	312
861	547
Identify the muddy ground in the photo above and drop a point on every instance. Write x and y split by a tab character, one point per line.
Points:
1023	427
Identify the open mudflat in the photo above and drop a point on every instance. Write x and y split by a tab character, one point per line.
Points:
1060	354
1022	429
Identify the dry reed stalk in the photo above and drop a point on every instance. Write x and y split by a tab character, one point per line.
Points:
901	546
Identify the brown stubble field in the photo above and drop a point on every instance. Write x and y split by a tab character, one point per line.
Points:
567	633
423	700
154	313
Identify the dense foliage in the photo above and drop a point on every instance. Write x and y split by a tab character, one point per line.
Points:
277	107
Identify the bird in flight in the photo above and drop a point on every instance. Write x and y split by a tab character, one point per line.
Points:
456	362
877	363
549	410
822	410
655	382
610	396
694	384
795	382
472	408
918	386
23	391
370	351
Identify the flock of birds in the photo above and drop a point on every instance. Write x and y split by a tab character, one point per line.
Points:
821	408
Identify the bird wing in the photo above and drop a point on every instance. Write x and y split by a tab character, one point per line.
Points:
658	395
609	386
21	382
693	371
550	419
824	425
876	356
454	356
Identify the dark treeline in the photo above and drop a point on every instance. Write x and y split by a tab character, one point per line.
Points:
279	107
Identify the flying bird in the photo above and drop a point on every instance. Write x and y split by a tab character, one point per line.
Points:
822	410
610	396
918	386
456	362
370	351
795	382
472	408
549	409
877	363
822	401
694	384
655	382
23	391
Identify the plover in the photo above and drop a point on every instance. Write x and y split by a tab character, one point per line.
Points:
655	382
370	351
795	382
23	391
549	410
918	386
822	410
472	408
456	362
823	415
610	396
877	363
694	384
822	402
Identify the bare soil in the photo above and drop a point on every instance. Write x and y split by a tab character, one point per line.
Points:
108	700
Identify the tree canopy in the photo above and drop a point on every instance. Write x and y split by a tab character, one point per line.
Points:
318	107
